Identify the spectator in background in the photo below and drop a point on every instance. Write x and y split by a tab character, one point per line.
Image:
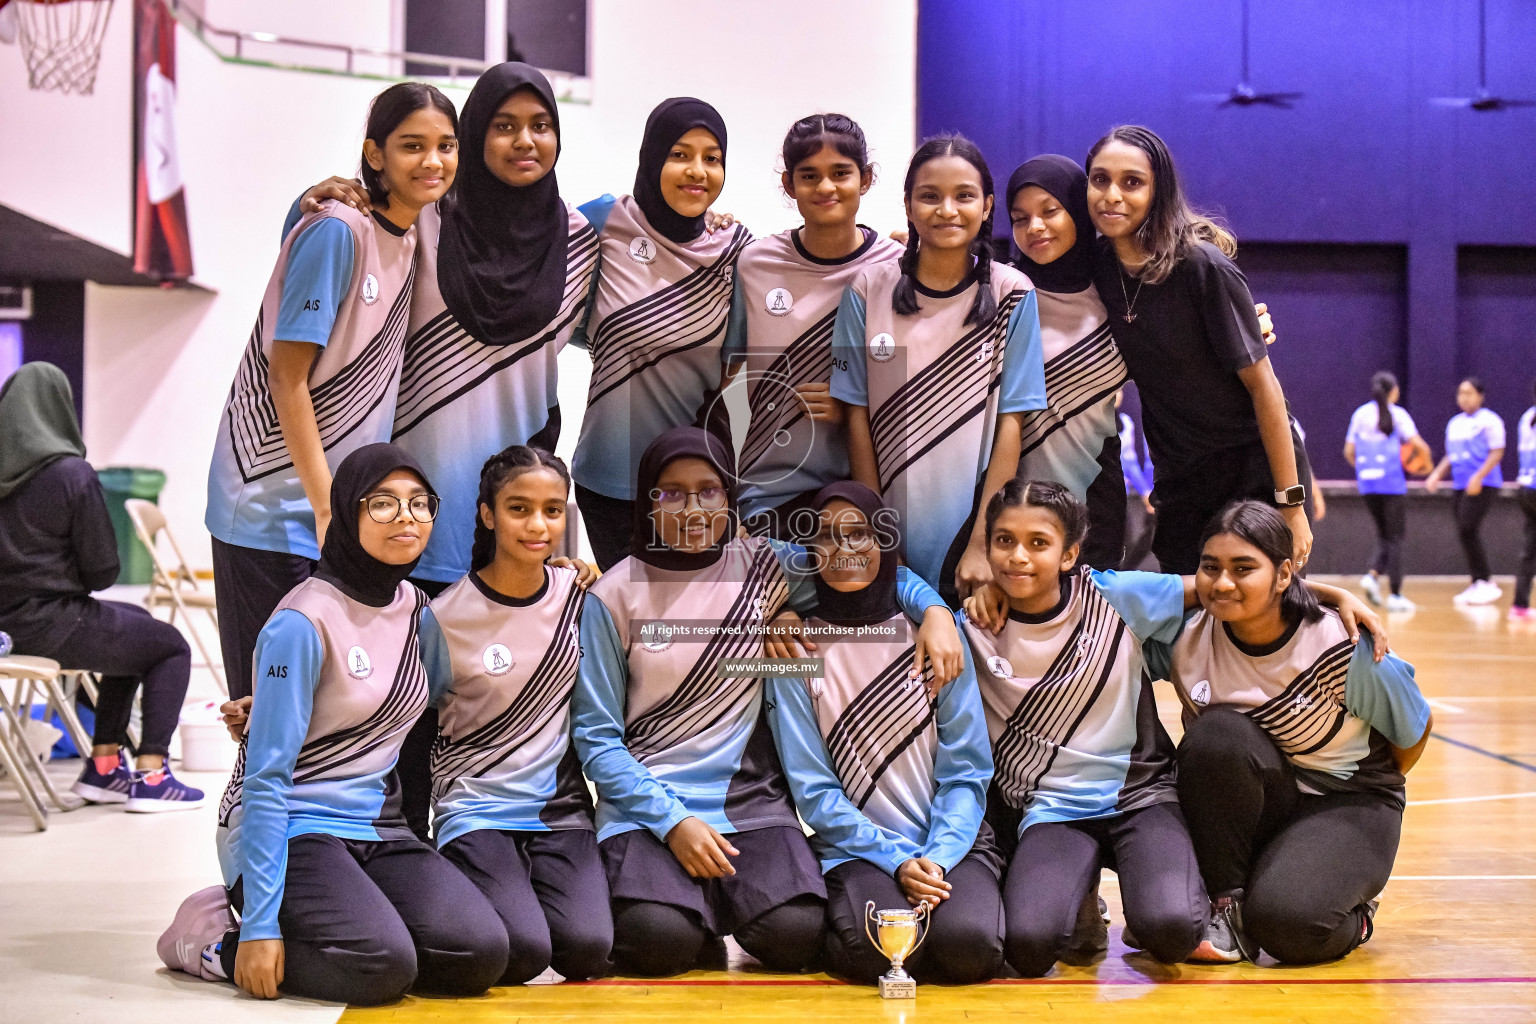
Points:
1526	438
56	548
1474	446
1378	432
1139	510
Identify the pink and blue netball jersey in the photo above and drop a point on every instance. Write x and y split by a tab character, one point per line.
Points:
343	282
338	684
1378	456
878	770
780	330
1070	711
654	329
462	400
505	668
934	387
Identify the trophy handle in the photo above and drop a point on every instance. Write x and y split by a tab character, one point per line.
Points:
925	914
869	915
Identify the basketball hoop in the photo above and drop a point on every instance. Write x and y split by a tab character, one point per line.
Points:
61	41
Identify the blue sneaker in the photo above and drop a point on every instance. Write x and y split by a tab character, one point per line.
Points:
111	788
159	790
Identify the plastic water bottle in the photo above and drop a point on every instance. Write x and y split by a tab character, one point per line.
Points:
5	643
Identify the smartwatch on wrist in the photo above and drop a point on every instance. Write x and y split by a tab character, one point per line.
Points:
1290	497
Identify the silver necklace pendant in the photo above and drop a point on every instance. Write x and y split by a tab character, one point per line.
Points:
1129	318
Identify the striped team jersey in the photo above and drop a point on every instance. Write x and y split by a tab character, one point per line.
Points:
781	326
878	771
338	685
462	401
255	498
1083	370
934	387
655	328
1526	437
1070	710
1329	708
505	668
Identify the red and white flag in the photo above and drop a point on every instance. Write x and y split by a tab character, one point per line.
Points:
162	244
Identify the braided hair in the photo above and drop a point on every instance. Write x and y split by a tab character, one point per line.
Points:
904	298
1047	494
505	465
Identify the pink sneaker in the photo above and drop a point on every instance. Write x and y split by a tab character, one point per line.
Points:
1518	614
201	920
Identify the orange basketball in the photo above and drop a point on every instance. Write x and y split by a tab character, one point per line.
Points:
1415	464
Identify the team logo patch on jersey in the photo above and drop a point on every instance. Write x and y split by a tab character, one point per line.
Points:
370	289
779	302
656	637
1085	643
497	659
984	354
1302	702
1200	693
358	665
882	348
1000	666
642	249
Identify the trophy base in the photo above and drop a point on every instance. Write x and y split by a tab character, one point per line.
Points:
898	988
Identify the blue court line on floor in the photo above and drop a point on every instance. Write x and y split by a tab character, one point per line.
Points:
1464	745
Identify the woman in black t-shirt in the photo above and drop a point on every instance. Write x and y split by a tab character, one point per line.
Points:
1179	309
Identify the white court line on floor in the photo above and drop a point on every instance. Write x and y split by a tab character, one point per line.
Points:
1465	698
1463	878
1470	799
1436	702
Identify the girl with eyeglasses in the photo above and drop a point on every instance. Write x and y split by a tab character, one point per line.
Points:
338	899
694	818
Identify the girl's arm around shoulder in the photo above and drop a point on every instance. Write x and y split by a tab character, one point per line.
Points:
1385	695
1152	604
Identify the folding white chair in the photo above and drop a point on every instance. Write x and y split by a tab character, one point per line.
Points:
24	768
173	586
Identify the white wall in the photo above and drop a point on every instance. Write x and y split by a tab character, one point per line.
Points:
159	363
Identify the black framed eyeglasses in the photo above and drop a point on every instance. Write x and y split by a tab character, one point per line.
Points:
386	508
710	499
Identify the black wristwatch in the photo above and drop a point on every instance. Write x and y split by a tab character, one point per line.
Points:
1290	497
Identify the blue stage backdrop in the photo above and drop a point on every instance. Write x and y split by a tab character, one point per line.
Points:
1386	232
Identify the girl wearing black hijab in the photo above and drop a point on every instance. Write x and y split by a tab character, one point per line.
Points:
339	900
1075	440
56	547
658	318
694	818
892	779
503	274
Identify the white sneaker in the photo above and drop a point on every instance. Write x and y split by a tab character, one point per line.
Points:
1371	587
200	922
1399	603
1486	592
1466	596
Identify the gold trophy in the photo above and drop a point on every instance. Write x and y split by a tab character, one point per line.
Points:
896	936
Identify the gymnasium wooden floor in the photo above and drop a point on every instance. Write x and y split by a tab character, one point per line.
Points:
82	904
1454	940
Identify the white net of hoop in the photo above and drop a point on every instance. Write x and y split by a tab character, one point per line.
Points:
61	41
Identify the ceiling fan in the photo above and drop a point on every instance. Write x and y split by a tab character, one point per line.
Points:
1485	99
1244	94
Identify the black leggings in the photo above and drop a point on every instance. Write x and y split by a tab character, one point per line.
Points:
1186	503
1471	510
130	648
551	894
659	939
610	523
964	944
1390	513
1528	556
1306	864
366	922
248	585
1058	862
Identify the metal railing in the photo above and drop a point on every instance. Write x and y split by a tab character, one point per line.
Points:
241	46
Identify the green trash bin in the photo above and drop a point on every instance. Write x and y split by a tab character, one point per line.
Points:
121	483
